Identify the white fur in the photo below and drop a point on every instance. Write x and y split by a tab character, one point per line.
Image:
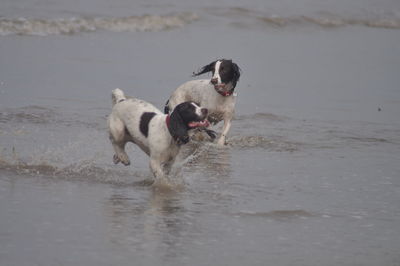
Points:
123	124
198	109
216	72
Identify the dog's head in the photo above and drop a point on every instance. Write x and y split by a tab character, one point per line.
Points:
186	116
225	74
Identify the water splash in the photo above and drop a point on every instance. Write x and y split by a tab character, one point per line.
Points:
80	172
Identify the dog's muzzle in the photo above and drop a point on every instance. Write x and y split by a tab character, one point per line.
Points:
217	86
203	123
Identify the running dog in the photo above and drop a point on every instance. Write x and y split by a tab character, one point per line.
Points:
158	135
217	94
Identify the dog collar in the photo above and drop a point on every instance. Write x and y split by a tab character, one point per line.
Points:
167	119
225	93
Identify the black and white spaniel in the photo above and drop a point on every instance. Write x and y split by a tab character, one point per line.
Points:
157	134
217	94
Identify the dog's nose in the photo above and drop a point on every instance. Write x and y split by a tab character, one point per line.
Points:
214	81
204	111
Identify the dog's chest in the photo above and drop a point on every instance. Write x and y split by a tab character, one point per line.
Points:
215	117
220	111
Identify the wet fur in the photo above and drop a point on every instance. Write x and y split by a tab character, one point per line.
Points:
139	122
203	92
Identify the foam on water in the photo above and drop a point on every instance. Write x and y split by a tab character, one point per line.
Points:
155	23
44	27
242	16
330	21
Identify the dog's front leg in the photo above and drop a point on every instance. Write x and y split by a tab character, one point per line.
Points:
225	130
156	168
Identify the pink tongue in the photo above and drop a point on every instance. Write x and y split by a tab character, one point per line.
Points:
203	123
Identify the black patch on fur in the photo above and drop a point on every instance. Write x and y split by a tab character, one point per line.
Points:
144	122
208	68
166	108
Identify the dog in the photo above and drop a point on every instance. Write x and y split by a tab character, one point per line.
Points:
217	94
158	135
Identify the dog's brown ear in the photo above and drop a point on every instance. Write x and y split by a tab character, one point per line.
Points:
208	68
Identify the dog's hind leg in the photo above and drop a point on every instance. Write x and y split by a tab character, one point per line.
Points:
118	138
120	154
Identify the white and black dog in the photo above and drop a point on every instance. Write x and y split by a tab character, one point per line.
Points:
216	94
157	134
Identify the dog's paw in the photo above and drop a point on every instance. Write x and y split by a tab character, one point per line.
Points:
211	133
221	142
116	160
122	158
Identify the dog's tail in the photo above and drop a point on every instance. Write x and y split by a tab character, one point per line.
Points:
117	96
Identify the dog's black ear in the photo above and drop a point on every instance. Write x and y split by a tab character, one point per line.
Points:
236	74
177	128
205	69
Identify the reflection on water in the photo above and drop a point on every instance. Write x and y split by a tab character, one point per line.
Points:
155	222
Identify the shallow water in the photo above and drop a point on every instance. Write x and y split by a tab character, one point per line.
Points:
310	172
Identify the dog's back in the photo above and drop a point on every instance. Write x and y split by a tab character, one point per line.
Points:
130	119
157	134
197	91
203	93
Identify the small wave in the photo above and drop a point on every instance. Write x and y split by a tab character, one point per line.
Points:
286	215
262	116
325	19
33	114
273	144
331	21
40	115
44	27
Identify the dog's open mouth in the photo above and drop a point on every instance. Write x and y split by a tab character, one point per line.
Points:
203	123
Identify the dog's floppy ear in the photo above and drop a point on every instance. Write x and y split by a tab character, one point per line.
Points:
236	74
177	128
205	69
